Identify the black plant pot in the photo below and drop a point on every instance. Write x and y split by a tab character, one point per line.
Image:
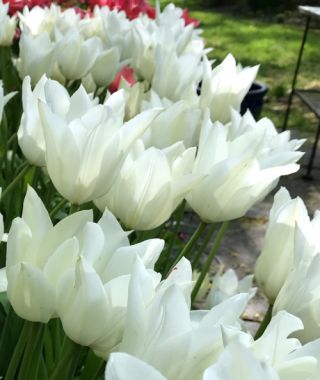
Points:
254	99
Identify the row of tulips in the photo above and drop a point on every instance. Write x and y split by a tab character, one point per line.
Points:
94	281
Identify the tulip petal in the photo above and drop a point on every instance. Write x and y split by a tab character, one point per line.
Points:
122	366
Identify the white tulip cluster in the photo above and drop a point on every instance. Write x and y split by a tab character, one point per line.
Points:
174	135
289	265
166	56
232	355
241	160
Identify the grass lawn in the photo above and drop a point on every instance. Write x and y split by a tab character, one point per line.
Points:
272	45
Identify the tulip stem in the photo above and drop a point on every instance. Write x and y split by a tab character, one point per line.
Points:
188	247
33	352
175	231
24	169
266	320
73	208
212	253
204	244
57	207
18	352
11	139
66	364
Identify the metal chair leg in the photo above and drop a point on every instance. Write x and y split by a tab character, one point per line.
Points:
313	154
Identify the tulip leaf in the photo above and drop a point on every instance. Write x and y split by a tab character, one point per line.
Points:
10	333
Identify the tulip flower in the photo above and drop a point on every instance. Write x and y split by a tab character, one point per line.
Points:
237	363
300	293
30	134
122	366
7	25
278	246
75	55
116	30
38	255
85	150
42	59
177	122
94	294
176	77
285	354
276	350
134	95
242	163
93	308
39	19
162	328
224	87
150	185
77	270
106	65
227	285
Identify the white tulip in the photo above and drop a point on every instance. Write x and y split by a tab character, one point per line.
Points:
134	94
285	354
227	285
30	134
85	144
238	363
75	55
122	366
93	295
240	170
150	185
177	122
38	19
276	259
7	25
277	351
106	66
176	77
300	293
77	270
224	87
40	61
117	30
38	254
163	327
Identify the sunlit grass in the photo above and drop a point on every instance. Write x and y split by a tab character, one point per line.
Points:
272	45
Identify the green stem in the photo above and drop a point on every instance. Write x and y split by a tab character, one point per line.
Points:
65	365
92	366
16	180
11	139
18	352
266	320
175	231
57	207
188	247
204	244
207	264
33	353
73	208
